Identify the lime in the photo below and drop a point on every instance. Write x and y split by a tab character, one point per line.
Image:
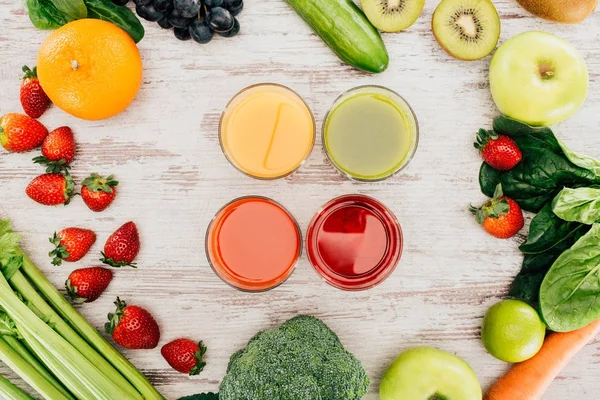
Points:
512	331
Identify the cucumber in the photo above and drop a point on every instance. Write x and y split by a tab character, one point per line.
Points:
346	30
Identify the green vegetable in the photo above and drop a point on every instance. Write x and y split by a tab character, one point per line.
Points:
549	237
42	332
544	170
8	391
570	292
579	205
301	360
346	30
51	14
44	15
74	9
121	16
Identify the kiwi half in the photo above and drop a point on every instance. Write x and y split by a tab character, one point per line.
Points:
392	15
466	29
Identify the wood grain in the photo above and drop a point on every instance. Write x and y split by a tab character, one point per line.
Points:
164	149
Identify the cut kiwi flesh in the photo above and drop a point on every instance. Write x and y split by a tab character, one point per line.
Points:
466	29
392	15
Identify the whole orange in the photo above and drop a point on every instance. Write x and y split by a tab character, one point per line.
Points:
90	68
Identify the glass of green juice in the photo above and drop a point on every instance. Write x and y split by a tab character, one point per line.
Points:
370	133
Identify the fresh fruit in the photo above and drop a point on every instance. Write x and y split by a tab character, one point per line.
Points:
122	246
182	33
233	31
149	12
71	244
499	151
185	356
201	32
538	78
220	20
164	23
346	30
466	29
530	379
188	8
90	68
565	11
163	5
500	216
58	150
512	331
98	192
392	15
132	327
87	284
427	373
51	189
34	100
20	133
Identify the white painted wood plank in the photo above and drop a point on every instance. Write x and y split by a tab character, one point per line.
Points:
164	149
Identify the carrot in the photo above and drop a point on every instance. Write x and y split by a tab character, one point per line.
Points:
530	379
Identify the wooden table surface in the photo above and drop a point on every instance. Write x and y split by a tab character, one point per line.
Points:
165	152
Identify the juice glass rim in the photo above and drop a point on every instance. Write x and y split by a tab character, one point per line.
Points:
290	269
309	151
408	157
381	272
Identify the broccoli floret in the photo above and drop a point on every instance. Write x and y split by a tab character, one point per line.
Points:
301	360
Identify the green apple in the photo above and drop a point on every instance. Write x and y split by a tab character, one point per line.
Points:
427	373
538	78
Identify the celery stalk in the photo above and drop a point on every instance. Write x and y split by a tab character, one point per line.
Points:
58	355
20	283
9	391
26	355
88	332
28	373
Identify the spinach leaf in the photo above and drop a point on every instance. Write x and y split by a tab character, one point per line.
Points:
74	9
44	15
541	174
570	292
579	204
548	230
121	16
585	162
526	285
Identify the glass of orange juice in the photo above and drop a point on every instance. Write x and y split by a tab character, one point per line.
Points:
267	131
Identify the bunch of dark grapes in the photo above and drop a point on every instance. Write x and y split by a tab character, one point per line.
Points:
192	19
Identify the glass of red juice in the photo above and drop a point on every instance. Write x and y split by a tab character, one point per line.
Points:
354	242
253	243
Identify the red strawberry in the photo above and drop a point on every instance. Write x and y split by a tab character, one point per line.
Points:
58	150
34	100
71	244
20	133
499	151
87	284
51	189
132	327
122	247
185	356
98	192
500	216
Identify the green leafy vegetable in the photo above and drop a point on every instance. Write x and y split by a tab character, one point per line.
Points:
74	9
302	359
542	173
52	14
570	292
121	16
44	15
578	204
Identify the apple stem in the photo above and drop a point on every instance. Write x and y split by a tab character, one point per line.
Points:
546	71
